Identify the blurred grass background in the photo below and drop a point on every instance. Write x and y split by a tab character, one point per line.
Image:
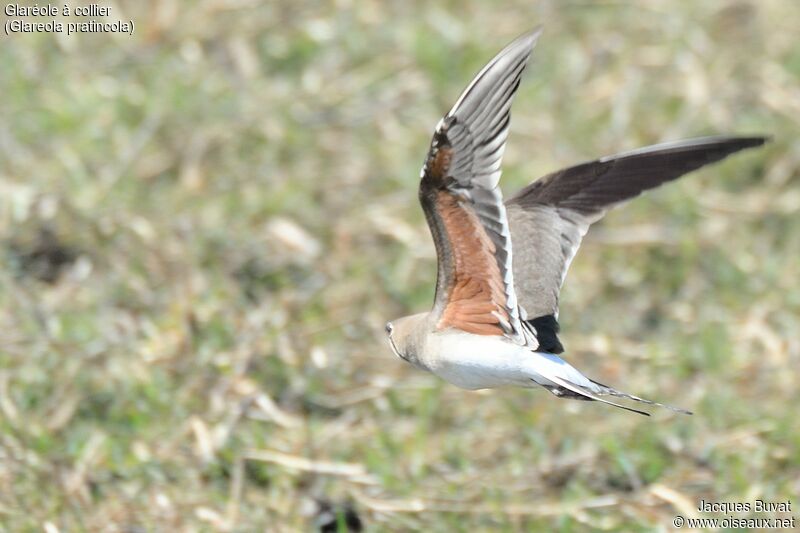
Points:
205	226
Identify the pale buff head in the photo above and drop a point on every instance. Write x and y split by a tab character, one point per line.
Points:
406	335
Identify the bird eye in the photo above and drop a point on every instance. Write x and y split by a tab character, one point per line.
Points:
389	328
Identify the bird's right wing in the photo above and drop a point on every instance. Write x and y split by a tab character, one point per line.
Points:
464	206
549	217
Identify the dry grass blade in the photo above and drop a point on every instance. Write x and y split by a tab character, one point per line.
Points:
352	471
421	505
681	502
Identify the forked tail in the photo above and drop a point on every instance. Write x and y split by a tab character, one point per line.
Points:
571	383
619	394
583	393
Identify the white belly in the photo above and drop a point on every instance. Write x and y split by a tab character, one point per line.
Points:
484	362
477	361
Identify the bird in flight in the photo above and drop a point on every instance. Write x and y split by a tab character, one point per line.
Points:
501	264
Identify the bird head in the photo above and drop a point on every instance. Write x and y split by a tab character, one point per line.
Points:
405	335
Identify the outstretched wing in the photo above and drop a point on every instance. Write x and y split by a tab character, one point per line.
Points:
549	217
464	206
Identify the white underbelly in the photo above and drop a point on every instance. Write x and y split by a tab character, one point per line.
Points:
471	378
484	362
477	361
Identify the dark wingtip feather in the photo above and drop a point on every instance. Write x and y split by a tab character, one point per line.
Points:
594	186
758	140
733	144
728	143
751	141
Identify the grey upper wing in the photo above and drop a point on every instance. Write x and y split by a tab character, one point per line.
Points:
549	217
464	206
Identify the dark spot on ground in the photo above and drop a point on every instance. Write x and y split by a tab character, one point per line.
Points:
256	277
330	516
45	257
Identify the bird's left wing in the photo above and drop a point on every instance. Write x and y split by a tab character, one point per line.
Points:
464	206
549	217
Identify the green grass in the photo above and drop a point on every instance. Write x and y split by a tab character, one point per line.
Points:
205	226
